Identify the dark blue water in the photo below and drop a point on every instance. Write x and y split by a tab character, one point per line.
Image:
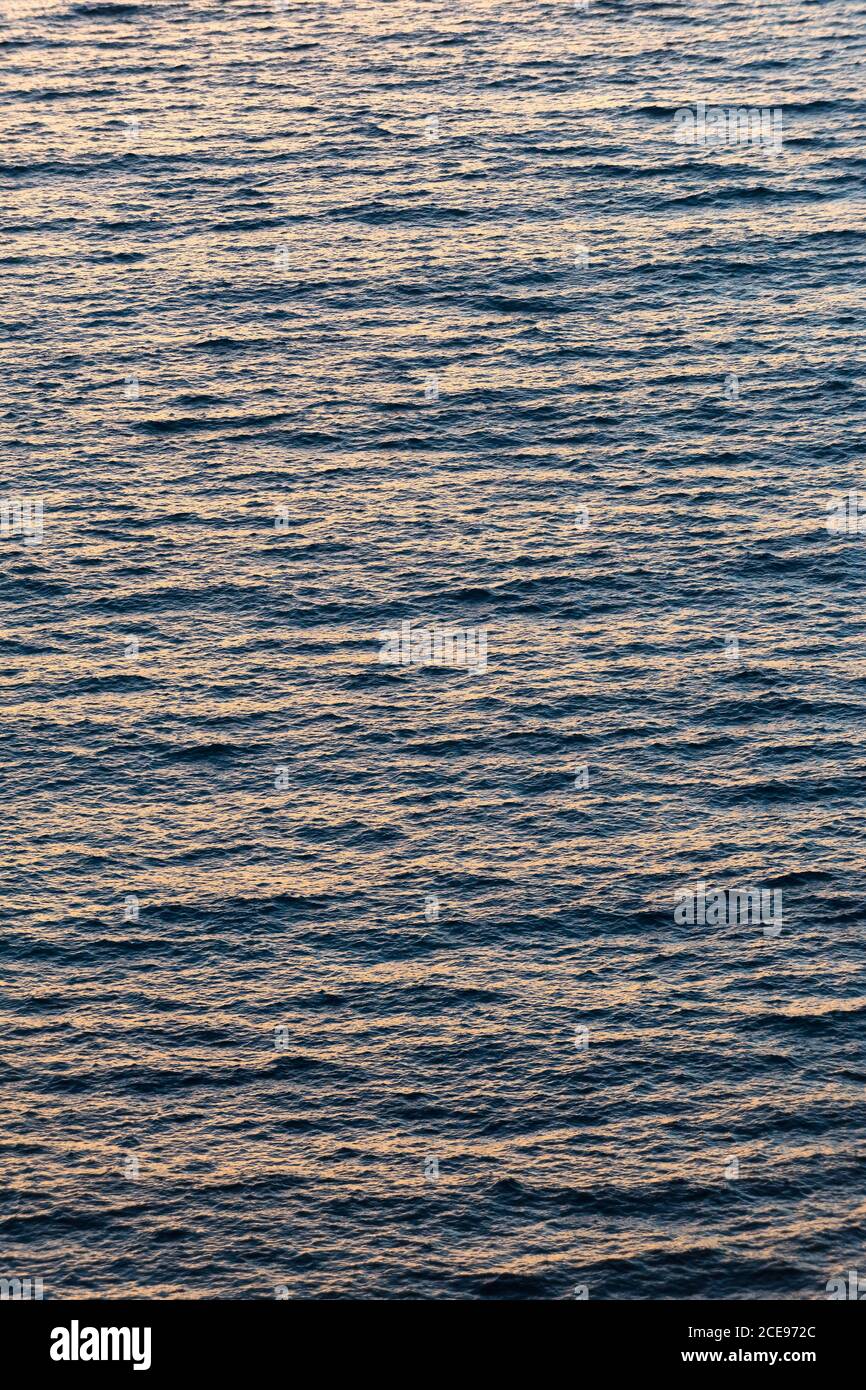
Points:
235	251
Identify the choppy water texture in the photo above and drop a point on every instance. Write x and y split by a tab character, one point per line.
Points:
282	251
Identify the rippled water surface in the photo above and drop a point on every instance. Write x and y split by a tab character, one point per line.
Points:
235	249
